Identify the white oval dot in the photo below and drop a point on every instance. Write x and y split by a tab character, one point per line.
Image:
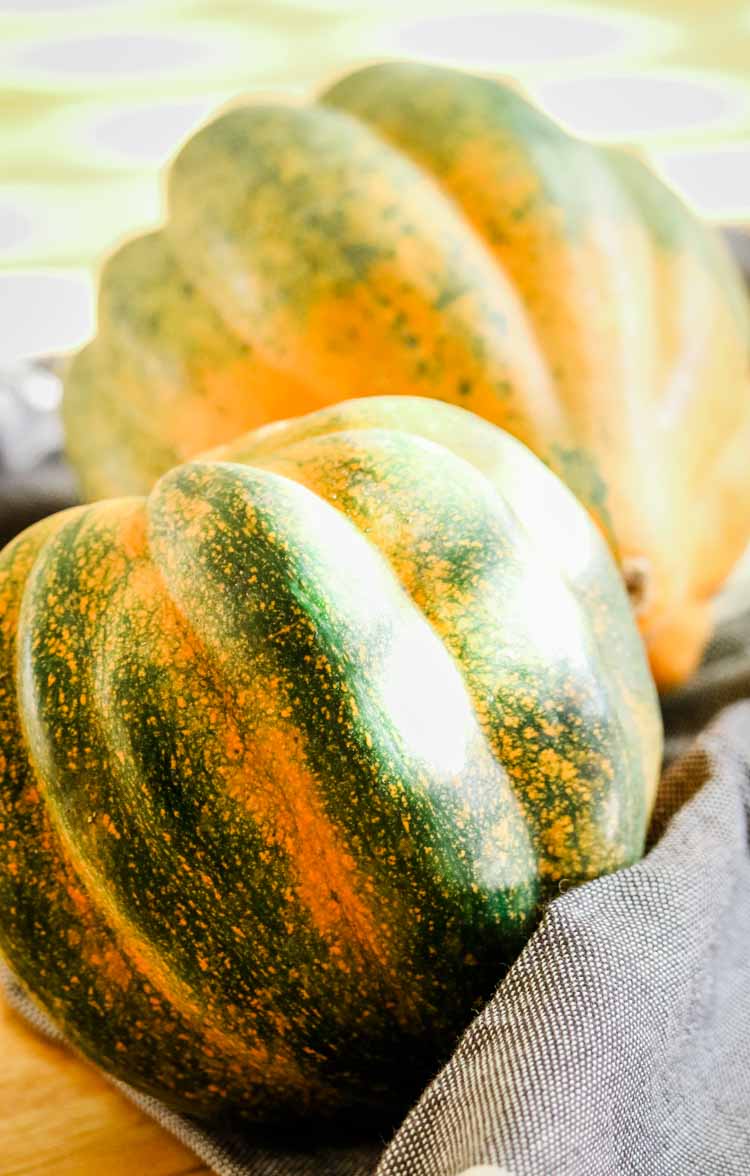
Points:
44	313
715	180
148	134
528	36
15	226
640	104
26	6
119	54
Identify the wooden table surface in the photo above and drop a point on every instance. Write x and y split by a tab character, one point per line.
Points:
57	1116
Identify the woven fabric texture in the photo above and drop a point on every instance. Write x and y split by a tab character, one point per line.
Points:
619	1041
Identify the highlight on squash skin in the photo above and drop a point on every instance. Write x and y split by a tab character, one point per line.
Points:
420	231
296	749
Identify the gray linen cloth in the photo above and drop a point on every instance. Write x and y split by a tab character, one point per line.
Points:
619	1042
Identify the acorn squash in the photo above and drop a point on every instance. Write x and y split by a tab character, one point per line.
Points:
421	231
296	749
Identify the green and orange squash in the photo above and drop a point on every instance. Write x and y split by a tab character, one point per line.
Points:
296	748
420	231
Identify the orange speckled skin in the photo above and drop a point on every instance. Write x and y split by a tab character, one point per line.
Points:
295	749
420	231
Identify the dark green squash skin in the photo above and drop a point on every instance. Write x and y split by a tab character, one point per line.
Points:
292	759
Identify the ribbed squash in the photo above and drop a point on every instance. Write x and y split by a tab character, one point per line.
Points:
426	232
295	749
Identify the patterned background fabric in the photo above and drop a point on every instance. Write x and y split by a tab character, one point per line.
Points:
95	95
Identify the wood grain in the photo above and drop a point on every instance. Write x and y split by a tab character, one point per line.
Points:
57	1115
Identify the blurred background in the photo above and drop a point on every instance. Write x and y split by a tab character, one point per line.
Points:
95	95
